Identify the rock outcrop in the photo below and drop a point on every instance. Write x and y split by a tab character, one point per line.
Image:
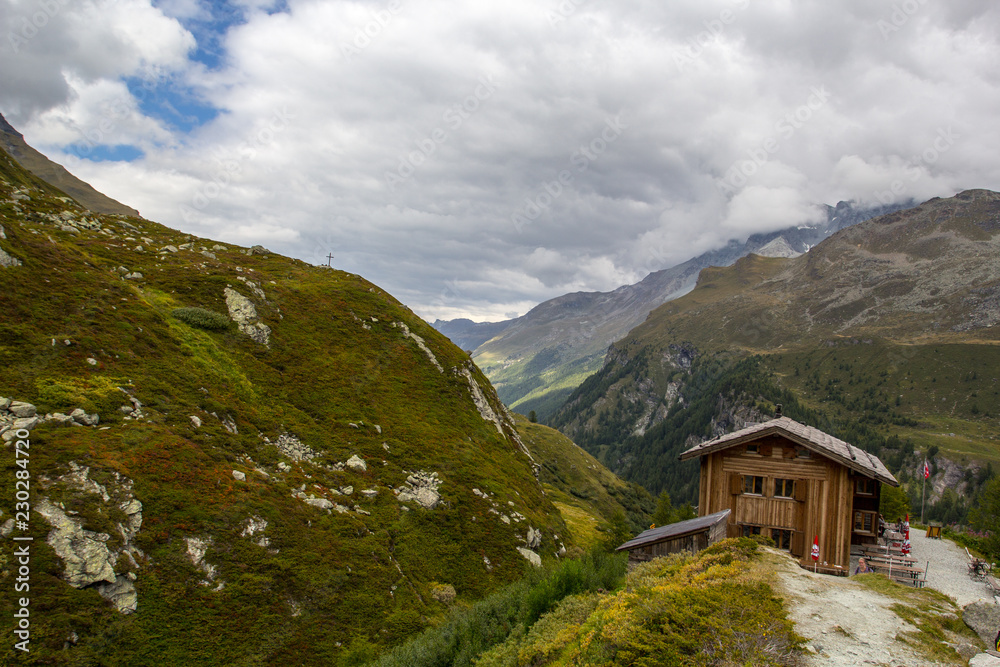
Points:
244	314
420	488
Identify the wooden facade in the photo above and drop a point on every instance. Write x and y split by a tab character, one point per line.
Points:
790	482
691	536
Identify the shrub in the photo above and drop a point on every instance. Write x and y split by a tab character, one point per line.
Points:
202	318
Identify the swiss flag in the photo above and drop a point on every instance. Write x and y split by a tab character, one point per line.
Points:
927	470
815	549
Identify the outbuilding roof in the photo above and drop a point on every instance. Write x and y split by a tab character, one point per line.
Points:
811	438
674	530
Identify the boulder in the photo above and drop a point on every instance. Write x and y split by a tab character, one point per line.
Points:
239	475
532	557
357	463
85	555
121	593
443	593
26	423
983	618
4	403
985	660
7	261
196	421
321	503
534	539
369	493
22	409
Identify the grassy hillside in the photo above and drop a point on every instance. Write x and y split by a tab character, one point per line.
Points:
262	539
587	494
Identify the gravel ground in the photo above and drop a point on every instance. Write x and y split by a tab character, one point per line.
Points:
848	625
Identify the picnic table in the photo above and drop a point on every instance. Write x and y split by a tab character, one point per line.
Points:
906	574
895	560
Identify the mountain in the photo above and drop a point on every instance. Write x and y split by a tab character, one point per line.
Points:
56	175
885	334
537	360
237	458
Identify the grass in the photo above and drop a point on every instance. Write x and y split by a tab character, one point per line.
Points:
937	619
338	375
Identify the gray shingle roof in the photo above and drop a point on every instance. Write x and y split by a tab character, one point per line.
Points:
675	530
811	438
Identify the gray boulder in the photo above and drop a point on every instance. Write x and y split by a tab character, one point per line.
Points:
121	593
983	618
85	555
22	409
7	261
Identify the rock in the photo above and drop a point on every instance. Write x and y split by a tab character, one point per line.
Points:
91	361
284	467
218	247
985	660
196	549
357	463
210	255
321	503
196	421
134	276
59	419
22	409
239	475
347	490
85	555
443	593
293	448
7	529
983	618
168	248
121	593
185	246
532	557
534	539
26	423
967	651
422	488
69	228
369	493
505	519
126	409
258	250
7	261
82	418
4	403
243	312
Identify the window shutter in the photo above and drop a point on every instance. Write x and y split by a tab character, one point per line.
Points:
801	487
798	543
735	484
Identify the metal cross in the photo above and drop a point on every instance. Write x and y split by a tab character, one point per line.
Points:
329	260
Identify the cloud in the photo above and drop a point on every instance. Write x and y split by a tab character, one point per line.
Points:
477	158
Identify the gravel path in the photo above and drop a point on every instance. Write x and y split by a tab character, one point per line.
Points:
847	625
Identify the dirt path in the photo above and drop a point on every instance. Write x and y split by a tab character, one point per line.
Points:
847	624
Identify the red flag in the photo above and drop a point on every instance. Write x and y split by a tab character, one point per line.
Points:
927	470
815	549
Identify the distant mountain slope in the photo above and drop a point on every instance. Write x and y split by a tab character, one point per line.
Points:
236	458
535	361
886	334
56	175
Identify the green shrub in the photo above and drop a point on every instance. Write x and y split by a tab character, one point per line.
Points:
202	318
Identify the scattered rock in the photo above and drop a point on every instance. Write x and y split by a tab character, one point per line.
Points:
257	250
8	261
122	594
321	503
168	248
421	488
983	618
420	343
196	549
243	312
532	557
134	276
357	463
196	421
239	475
369	493
210	255
293	448
534	539
347	490
22	409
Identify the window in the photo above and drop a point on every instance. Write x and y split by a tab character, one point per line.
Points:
864	487
753	449
753	485
784	488
751	530
864	522
803	453
782	538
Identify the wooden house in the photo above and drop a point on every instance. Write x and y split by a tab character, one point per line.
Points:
792	482
692	535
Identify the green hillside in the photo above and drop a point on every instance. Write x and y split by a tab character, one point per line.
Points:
308	480
886	335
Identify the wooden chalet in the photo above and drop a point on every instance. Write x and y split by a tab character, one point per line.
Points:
692	535
792	482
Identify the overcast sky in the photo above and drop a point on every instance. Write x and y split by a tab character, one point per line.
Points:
475	158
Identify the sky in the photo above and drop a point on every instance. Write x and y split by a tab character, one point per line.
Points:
475	158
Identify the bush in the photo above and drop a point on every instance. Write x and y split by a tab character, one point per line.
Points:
202	318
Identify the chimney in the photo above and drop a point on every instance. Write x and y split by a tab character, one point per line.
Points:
777	411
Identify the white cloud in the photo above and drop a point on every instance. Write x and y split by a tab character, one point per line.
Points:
320	101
